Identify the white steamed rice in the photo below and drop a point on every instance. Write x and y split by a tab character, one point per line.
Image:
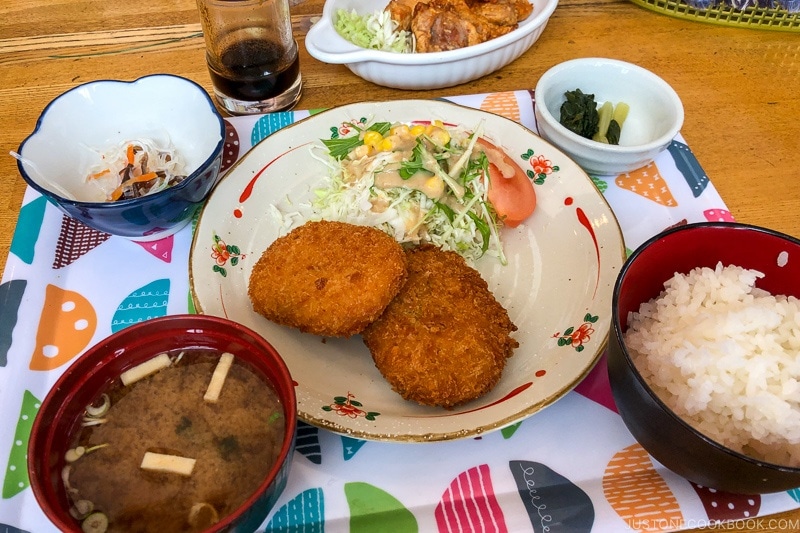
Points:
725	356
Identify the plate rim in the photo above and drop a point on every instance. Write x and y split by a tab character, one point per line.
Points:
420	437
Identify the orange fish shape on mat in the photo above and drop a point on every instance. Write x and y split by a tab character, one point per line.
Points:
503	104
66	326
638	493
647	182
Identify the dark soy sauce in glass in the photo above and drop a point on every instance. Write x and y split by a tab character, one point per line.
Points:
255	69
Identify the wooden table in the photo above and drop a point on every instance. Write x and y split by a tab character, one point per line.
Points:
739	88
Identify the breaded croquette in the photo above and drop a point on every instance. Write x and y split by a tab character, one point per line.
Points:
327	278
444	339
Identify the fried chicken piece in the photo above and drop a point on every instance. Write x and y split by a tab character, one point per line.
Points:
500	14
444	339
438	27
522	8
327	278
441	25
402	11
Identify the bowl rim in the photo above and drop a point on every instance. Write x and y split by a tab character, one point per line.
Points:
619	334
82	204
588	144
177	322
352	53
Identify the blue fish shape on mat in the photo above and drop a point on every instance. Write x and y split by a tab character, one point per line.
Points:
307	442
554	503
689	166
11	293
5	528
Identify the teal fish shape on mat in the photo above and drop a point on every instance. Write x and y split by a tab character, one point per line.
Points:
29	225
350	446
305	513
146	302
269	124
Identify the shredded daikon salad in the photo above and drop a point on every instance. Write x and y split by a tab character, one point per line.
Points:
421	183
137	168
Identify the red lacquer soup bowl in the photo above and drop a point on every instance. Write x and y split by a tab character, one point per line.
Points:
63	412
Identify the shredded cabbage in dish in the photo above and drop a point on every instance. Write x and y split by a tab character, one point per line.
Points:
376	31
421	183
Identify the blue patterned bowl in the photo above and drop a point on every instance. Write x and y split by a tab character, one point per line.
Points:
76	127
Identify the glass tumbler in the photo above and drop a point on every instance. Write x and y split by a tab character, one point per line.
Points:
251	54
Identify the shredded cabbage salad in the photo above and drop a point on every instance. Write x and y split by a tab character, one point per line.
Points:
421	183
376	31
136	168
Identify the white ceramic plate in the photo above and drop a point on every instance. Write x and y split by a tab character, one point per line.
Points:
557	287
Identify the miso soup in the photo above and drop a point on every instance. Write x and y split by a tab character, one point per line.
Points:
161	454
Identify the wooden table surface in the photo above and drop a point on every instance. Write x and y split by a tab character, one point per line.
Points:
740	88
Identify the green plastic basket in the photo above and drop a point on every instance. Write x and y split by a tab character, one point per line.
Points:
753	17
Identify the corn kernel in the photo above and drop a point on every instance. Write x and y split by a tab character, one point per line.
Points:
372	138
386	145
440	136
417	130
434	187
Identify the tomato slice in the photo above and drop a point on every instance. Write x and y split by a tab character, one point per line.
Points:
510	190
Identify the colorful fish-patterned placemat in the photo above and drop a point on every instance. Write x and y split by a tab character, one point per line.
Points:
571	467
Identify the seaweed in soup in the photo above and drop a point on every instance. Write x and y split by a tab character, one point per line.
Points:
205	458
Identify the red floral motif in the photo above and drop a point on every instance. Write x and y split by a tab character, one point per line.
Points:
578	337
349	407
221	253
541	165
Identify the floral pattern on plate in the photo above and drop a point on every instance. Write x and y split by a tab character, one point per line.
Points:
562	265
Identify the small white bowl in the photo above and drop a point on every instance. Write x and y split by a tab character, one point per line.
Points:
655	117
417	71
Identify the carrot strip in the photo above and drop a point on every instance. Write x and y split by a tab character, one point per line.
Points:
130	154
138	179
99	174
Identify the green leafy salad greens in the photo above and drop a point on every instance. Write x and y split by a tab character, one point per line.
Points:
421	183
580	114
376	31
